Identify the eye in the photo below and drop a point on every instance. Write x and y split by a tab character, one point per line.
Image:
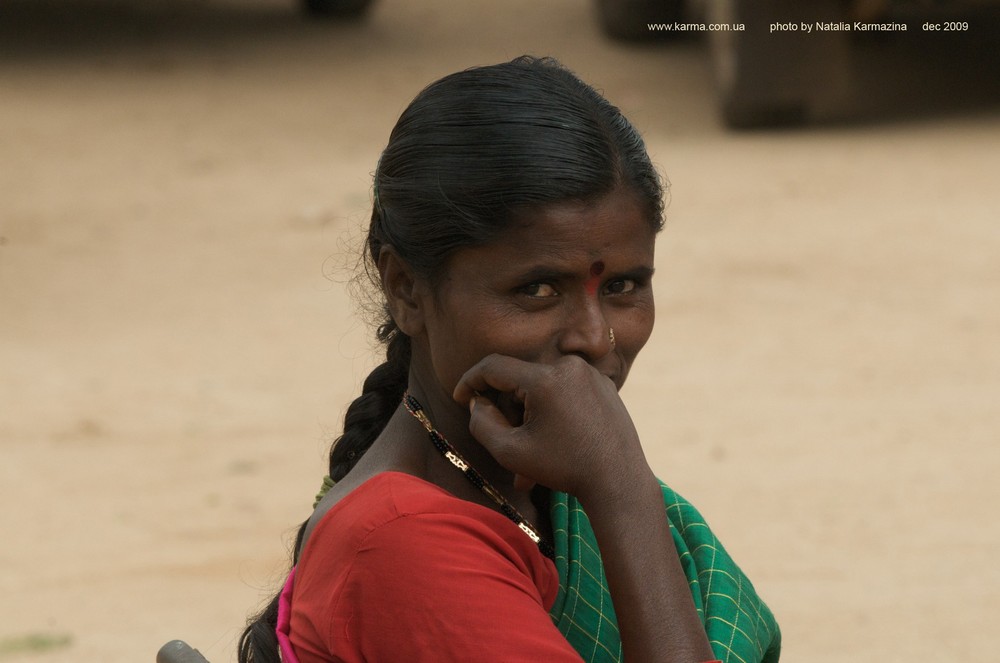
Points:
620	287
539	290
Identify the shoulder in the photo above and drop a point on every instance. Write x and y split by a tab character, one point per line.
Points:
405	565
402	521
391	505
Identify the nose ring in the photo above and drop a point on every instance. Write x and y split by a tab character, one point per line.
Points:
611	336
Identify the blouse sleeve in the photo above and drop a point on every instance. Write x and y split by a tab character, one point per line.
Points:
447	587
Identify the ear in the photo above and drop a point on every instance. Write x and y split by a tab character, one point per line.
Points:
402	291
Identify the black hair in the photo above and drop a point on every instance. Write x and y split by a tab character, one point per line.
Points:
472	151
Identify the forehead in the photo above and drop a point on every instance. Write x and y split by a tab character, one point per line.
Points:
574	233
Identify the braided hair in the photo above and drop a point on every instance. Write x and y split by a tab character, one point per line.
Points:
469	153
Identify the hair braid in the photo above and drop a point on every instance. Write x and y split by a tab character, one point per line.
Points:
365	418
380	396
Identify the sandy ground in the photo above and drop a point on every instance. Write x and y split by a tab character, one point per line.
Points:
181	188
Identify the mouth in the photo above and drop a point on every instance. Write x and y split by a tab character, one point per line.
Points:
617	379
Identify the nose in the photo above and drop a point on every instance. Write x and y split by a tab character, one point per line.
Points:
586	332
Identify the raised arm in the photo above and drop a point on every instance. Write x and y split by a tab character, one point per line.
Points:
577	436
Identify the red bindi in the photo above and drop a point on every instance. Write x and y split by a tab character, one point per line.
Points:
594	282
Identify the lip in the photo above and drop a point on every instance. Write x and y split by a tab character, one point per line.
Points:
618	381
614	368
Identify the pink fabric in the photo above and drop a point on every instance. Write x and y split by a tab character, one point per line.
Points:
285	620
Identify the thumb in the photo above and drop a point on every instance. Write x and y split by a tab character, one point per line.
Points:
489	425
523	483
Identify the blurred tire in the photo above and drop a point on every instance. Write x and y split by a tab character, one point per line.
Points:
336	8
178	651
628	20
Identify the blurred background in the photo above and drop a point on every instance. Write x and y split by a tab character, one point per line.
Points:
183	184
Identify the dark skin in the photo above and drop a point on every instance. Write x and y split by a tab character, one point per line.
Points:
513	362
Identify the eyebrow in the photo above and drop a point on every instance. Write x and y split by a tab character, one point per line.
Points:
642	272
543	273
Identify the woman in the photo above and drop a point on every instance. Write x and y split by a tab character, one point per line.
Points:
515	212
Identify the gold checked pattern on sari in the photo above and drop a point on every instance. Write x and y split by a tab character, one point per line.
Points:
740	626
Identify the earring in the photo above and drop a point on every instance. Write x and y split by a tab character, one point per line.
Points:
611	336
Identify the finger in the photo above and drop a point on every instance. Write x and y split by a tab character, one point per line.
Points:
494	372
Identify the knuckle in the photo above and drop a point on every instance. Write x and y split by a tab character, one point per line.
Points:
570	369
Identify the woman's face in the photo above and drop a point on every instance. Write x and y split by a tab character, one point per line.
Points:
553	284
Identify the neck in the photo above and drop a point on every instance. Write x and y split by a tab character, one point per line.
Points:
500	501
452	420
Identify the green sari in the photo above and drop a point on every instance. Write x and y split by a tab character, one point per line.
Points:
740	627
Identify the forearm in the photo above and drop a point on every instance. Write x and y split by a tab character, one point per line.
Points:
656	614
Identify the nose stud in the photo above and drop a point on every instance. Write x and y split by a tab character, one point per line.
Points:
611	336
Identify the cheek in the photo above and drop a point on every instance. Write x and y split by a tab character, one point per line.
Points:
466	340
526	340
633	331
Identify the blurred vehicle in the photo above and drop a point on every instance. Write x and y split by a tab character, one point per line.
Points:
775	62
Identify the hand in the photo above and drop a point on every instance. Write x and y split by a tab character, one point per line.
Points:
575	433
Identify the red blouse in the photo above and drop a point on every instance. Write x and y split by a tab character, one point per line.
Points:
401	570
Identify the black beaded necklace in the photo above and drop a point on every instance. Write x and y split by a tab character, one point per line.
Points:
474	477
